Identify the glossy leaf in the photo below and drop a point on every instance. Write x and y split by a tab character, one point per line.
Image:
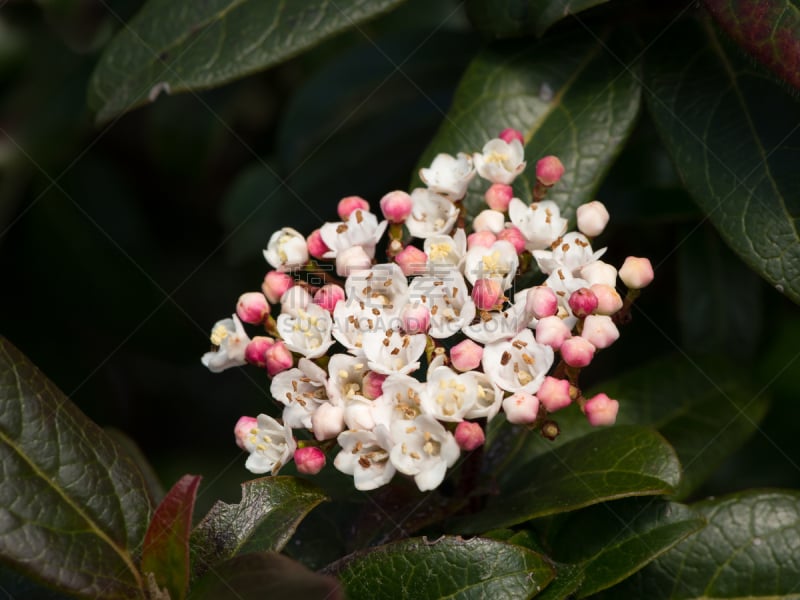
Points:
172	46
769	30
134	452
74	507
563	587
749	549
449	567
166	544
731	131
265	575
567	95
508	18
265	519
604	465
619	538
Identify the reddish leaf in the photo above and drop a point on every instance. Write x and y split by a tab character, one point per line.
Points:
769	30
166	545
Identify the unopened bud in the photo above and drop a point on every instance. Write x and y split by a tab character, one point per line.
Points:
396	206
466	355
540	302
549	170
592	218
600	331
349	204
352	260
489	220
256	351
513	235
481	239
583	302
327	421
372	384
243	430
252	307
328	296
499	196
294	300
608	299
636	273
278	359
552	331
599	272
309	460
509	133
275	285
554	394
469	436
577	352
412	261
521	408
601	410
550	430
487	294
416	318
316	247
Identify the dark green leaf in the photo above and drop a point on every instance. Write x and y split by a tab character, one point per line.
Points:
604	465
748	550
508	18
733	135
265	519
166	544
567	95
619	538
134	452
568	580
767	29
265	575
174	46
449	567
75	507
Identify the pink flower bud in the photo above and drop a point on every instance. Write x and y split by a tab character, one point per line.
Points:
592	218
541	301
372	384
482	239
608	299
489	220
328	296
554	394
327	421
316	247
509	133
552	331
601	410
309	460
466	355
499	196
600	331
349	204
412	261
275	285
416	318
577	351
469	436
599	272
256	351
636	273
396	206
521	408
513	235
549	170
352	260
582	302
252	307
243	430
487	294
278	359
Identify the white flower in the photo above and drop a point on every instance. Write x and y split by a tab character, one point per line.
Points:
448	395
352	260
346	387
405	394
498	262
445	296
392	352
301	391
365	456
270	445
448	175
563	284
308	333
431	214
499	161
570	252
489	397
294	299
383	287
231	340
498	324
489	220
351	320
360	229
424	449
286	250
519	364
599	272
540	223
446	250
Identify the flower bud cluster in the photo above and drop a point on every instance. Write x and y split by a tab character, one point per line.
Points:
401	363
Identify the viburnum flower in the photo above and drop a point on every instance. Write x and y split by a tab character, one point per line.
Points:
448	395
308	333
405	394
448	175
498	324
360	229
488	400
432	214
499	261
445	296
383	288
446	250
570	252
500	161
365	456
301	390
270	445
393	352
287	249
424	449
541	222
231	341
518	365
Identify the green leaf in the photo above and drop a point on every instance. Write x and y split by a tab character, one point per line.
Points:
769	30
508	18
74	507
265	575
151	480
566	94
449	567
725	125
619	538
568	580
265	519
166	544
604	465
748	550
175	46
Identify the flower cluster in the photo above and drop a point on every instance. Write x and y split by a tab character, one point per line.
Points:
400	364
